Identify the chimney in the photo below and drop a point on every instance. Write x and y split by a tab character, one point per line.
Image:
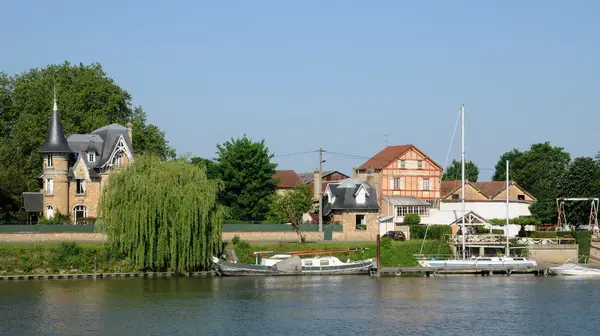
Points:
317	184
370	177
354	173
130	131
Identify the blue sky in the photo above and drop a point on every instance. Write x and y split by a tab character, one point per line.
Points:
335	74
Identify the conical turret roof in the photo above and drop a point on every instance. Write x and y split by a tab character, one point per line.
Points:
55	138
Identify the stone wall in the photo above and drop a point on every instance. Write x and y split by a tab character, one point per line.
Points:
553	254
52	237
594	254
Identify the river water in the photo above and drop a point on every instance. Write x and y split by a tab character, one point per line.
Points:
344	305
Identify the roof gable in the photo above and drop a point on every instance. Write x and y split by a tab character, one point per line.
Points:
389	154
287	178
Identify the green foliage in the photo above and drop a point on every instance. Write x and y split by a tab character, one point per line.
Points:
211	168
235	239
163	215
87	99
289	207
538	170
58	219
580	180
246	170
480	229
454	171
412	219
60	258
517	221
584	239
434	232
543	234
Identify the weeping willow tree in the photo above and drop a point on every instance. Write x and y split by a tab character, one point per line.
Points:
162	215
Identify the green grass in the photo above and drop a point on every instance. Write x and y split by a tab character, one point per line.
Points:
400	253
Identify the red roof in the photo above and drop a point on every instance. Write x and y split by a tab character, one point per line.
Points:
490	189
287	179
389	154
447	187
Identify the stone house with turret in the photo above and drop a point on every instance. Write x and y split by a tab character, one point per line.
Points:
76	168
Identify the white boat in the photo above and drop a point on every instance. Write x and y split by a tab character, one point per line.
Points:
480	261
574	269
477	261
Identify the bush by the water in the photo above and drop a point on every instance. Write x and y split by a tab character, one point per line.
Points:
436	232
61	258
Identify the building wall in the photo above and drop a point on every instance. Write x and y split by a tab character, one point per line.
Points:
348	221
471	194
90	198
411	178
489	209
513	195
59	199
553	254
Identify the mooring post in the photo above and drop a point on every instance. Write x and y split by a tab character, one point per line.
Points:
378	252
94	266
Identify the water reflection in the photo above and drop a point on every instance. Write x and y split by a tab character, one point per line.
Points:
344	305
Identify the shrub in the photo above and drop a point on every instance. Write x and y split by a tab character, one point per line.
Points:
58	219
412	219
235	239
584	239
543	234
433	232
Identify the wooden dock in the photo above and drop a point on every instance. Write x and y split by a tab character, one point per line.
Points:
466	270
103	275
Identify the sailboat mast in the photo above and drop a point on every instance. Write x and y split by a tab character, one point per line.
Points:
462	159
507	210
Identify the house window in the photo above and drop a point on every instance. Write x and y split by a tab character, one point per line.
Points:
455	197
361	223
49	212
91	157
48	160
81	212
397	183
49	186
420	164
402	211
426	185
80	186
402	164
521	197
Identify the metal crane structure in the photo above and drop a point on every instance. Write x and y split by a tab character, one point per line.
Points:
562	215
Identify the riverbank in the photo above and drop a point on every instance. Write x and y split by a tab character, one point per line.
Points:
80	258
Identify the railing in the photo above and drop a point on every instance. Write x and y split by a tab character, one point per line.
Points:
546	241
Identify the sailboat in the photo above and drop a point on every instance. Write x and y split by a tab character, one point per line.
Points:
478	260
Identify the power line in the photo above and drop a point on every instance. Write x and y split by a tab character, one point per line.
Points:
299	153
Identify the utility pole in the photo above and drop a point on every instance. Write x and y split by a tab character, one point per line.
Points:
320	192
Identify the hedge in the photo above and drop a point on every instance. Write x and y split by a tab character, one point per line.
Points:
433	232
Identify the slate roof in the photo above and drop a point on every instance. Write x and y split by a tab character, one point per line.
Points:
55	138
110	135
33	202
343	194
406	200
287	179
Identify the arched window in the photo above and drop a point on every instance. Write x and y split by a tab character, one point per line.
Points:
80	212
49	212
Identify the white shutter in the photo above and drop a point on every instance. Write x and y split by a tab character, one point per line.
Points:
421	184
402	183
391	183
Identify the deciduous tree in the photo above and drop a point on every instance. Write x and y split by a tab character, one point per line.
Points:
454	171
580	181
163	215
246	170
291	206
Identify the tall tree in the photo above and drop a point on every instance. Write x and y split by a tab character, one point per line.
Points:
212	171
87	99
454	171
514	162
163	215
291	206
581	181
246	169
538	170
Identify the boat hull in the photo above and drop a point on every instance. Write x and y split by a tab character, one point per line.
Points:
574	270
232	269
477	263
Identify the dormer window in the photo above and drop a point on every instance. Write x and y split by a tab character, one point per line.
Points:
92	157
48	160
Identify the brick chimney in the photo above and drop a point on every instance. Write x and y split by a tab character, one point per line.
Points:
317	184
